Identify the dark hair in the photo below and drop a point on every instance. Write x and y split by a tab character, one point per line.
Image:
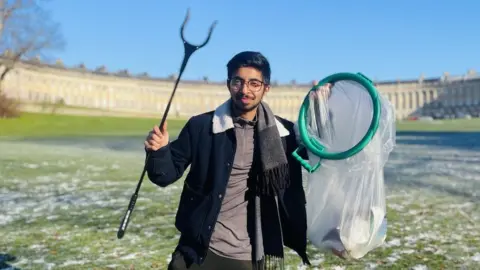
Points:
250	59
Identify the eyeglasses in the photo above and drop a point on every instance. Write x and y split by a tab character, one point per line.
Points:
253	85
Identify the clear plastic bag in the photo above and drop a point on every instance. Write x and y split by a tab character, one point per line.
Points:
346	204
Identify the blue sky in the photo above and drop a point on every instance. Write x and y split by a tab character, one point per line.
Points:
304	40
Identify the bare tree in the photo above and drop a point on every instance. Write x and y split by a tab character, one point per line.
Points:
26	31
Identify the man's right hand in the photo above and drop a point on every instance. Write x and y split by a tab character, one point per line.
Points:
157	138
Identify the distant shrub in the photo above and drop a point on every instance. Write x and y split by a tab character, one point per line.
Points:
9	107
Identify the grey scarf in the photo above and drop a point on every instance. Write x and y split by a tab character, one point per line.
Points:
273	177
274	171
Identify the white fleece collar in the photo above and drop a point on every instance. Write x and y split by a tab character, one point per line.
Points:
223	121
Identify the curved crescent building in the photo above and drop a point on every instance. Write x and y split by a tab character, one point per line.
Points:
35	82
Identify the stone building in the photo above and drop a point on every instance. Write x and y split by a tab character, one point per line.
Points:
33	81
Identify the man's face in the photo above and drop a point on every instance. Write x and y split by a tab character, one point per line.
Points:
247	88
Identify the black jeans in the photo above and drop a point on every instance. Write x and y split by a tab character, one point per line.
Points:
212	262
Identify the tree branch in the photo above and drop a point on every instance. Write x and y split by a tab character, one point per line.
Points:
26	29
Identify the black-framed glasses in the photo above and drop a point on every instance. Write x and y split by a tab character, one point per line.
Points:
254	85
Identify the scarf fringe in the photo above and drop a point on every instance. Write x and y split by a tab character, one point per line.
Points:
274	180
270	263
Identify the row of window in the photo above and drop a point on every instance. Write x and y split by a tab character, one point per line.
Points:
80	95
448	97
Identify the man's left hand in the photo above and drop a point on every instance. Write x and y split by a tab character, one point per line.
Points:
323	91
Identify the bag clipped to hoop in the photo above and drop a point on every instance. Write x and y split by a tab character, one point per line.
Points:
348	131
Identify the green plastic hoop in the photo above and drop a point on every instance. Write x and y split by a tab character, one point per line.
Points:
312	145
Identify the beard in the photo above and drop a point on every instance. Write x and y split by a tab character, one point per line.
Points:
242	107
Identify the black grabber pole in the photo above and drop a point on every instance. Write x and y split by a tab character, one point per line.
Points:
189	50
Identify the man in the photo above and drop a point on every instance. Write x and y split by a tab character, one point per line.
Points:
243	199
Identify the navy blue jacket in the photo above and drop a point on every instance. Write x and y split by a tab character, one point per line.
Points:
207	143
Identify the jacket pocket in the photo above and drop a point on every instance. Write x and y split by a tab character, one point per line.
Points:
192	212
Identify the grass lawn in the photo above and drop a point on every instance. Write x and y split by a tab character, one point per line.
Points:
61	204
47	125
66	182
457	125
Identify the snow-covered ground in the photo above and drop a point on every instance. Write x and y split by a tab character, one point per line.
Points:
61	202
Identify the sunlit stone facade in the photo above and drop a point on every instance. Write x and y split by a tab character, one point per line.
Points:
36	82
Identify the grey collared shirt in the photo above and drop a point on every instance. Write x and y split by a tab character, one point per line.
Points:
230	237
